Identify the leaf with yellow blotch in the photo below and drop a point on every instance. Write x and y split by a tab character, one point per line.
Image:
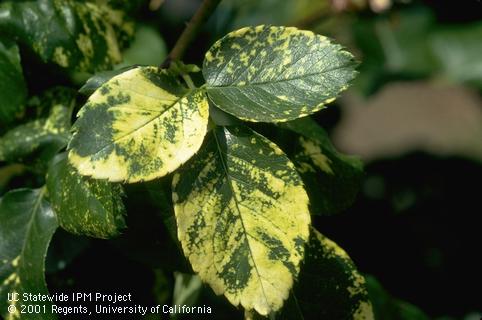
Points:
78	35
84	206
274	74
243	218
332	179
28	224
329	286
139	125
43	136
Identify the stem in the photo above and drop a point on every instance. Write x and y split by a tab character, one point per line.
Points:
206	8
188	80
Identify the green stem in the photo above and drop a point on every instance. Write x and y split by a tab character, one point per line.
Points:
188	80
204	11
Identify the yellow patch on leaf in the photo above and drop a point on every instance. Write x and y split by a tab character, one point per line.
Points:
275	74
139	125
313	150
243	218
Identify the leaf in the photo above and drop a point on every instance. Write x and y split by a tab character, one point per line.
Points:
394	45
78	35
332	179
329	286
84	206
28	224
13	90
458	50
187	288
147	48
221	118
274	74
139	125
48	134
242	216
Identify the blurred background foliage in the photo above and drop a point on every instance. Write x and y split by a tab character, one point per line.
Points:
413	115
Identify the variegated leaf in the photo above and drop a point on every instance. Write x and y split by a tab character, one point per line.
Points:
84	206
139	125
332	179
274	74
45	134
28	224
329	286
243	218
74	34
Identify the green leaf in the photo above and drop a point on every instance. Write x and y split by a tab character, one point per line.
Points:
13	90
329	286
221	118
28	224
78	35
242	216
139	125
332	179
48	134
84	206
458	50
274	74
394	45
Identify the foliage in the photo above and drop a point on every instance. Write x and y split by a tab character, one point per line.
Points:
28	224
410	43
241	205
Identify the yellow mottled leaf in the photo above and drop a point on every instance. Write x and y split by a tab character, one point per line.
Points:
243	218
78	35
139	125
27	226
329	286
275	74
84	206
43	136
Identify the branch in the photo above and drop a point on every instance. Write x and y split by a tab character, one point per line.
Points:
192	29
